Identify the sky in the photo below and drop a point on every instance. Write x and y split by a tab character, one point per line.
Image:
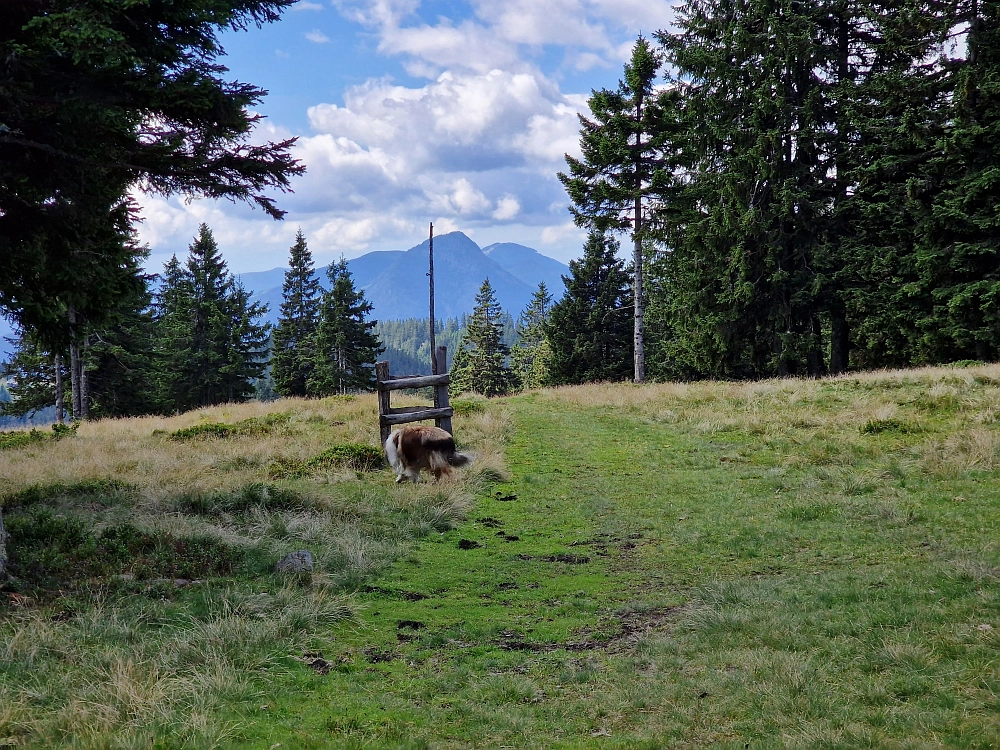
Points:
408	112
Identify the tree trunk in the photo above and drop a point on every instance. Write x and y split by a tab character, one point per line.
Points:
639	334
3	549
815	356
84	381
74	365
60	407
840	344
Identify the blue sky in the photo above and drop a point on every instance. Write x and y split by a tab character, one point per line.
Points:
408	112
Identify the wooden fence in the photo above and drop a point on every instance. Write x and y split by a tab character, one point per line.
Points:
441	412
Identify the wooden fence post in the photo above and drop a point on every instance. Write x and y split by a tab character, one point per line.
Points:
441	391
382	374
441	412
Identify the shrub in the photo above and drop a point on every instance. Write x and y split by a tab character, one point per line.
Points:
51	551
468	405
235	502
96	489
356	456
252	427
878	426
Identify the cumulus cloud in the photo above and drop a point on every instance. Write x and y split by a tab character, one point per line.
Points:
318	37
474	145
507	208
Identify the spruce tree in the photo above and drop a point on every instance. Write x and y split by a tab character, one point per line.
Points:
529	357
291	353
345	347
958	247
172	341
480	364
587	330
246	352
210	343
622	167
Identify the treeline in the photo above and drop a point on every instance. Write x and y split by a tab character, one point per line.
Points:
407	342
808	186
196	338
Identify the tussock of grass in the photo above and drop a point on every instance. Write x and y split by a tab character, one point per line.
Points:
104	490
23	438
251	427
350	456
103	525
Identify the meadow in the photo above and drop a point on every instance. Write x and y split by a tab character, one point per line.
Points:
785	563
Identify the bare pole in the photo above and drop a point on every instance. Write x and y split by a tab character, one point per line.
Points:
430	274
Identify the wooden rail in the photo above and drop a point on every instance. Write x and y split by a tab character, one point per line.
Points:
441	412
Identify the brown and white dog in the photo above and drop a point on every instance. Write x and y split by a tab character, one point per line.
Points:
410	449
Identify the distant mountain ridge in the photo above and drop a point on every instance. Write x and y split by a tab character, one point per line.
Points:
395	281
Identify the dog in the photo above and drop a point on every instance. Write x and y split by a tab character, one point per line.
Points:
410	449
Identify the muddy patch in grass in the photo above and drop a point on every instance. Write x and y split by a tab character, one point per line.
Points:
627	628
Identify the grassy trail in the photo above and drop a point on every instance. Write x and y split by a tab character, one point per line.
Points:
776	564
674	587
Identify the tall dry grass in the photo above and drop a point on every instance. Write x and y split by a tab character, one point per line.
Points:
949	415
126	665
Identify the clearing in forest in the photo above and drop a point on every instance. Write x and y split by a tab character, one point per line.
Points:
793	563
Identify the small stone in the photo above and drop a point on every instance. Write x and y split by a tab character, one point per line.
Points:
296	562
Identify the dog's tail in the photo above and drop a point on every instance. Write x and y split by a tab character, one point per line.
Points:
392	452
460	459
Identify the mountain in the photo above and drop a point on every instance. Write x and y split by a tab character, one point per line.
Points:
395	281
529	265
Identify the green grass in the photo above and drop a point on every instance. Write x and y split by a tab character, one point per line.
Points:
718	564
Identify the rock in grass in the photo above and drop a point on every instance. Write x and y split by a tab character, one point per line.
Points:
300	562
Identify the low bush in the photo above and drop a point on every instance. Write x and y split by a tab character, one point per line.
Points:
252	427
878	426
49	551
20	438
351	456
238	501
100	490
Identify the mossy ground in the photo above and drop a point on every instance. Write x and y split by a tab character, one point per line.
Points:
712	564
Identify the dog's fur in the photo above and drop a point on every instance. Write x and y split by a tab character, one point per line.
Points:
410	449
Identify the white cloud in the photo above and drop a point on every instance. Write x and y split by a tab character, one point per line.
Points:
476	147
317	36
507	208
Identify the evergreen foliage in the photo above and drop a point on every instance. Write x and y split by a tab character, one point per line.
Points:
480	363
622	166
588	329
530	356
99	98
291	344
345	347
211	345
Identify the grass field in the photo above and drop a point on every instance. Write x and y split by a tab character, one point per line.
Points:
775	564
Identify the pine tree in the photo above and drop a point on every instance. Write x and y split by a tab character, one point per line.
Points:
530	355
172	341
958	247
33	371
345	347
292	356
210	343
622	167
480	364
246	352
587	330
